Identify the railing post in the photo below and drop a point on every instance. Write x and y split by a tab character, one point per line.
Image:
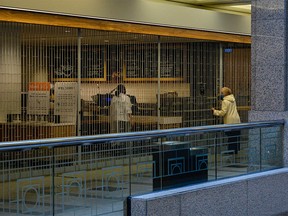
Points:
53	181
161	164
260	150
130	169
215	155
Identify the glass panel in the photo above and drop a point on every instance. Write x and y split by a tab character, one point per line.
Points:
233	154
254	144
26	182
271	148
95	178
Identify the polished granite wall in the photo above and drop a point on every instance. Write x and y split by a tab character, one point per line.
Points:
269	64
252	195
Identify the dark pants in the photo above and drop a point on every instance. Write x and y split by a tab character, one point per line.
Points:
124	126
233	140
120	148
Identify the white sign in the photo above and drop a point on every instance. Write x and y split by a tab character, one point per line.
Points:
66	101
38	98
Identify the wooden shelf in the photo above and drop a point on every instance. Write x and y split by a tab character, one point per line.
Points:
82	79
152	79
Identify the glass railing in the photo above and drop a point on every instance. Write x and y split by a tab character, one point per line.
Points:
93	175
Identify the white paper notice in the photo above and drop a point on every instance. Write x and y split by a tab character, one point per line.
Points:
38	98
66	101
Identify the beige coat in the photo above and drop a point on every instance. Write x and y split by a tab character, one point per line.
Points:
120	108
228	110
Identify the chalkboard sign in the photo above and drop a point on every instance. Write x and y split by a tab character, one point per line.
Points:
63	62
142	62
171	61
115	58
92	62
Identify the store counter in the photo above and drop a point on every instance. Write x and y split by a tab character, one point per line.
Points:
16	131
101	124
165	122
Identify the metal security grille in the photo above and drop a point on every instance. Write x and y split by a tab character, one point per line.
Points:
237	75
60	82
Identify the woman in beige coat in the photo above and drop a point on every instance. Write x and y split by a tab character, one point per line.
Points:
230	114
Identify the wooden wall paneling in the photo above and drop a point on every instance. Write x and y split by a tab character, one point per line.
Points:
85	23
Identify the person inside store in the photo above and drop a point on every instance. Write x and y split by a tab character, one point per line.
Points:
120	111
52	100
230	116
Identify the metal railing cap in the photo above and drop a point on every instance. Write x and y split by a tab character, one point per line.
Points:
131	136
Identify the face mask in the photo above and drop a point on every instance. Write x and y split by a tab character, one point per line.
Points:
221	97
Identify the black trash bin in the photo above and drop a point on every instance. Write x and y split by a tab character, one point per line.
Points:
179	165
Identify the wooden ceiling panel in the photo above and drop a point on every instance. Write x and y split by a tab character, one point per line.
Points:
66	23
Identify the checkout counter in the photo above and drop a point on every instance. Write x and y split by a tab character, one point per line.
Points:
96	120
100	124
95	116
16	131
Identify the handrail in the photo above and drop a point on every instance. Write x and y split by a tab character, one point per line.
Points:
131	136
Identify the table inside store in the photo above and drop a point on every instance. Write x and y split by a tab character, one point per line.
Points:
101	124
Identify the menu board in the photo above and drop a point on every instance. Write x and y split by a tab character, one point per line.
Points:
63	62
92	62
115	58
142	62
171	61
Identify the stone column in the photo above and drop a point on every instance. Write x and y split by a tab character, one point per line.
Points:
269	63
